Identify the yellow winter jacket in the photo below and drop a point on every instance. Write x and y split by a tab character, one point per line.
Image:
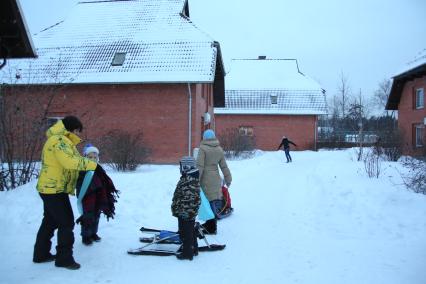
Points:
61	161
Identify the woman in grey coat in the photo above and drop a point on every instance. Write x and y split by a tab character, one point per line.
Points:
210	158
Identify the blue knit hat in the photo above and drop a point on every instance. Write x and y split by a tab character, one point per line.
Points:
209	134
89	148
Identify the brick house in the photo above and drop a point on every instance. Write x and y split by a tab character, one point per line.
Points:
407	96
270	98
136	65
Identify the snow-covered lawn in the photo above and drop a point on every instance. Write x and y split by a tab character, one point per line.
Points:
319	219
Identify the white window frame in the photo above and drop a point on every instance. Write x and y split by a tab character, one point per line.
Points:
246	130
274	99
419	133
420	98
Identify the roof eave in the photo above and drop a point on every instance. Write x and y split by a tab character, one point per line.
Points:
241	111
113	83
219	56
15	39
219	78
398	85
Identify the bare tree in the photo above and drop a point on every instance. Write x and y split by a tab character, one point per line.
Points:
381	96
357	114
344	93
23	122
334	109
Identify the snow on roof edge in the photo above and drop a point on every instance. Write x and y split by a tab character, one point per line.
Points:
419	60
268	111
115	82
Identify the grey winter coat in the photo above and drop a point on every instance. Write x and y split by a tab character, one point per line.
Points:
210	156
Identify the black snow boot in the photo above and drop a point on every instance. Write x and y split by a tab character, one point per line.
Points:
182	256
195	245
71	266
96	238
47	258
210	227
87	241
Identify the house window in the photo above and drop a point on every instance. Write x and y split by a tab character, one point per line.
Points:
118	59
419	135
246	130
420	98
274	99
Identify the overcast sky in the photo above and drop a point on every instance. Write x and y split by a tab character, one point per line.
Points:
367	40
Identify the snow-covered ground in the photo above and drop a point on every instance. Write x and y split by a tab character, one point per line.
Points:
317	220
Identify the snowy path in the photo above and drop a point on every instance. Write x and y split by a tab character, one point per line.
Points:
316	220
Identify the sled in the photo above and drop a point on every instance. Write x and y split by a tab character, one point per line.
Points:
166	243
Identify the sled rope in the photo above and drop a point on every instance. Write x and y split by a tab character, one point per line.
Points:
224	207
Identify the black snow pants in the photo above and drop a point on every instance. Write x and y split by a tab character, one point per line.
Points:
57	215
188	236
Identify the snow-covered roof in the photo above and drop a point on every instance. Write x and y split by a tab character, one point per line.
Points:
160	44
413	69
270	86
419	60
260	74
273	101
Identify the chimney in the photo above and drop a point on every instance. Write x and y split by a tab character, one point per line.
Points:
262	57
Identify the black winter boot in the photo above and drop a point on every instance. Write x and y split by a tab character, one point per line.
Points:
96	238
195	245
87	241
210	227
186	233
50	257
71	266
181	256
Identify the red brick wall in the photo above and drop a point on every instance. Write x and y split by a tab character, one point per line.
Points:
269	129
200	108
160	111
204	105
409	115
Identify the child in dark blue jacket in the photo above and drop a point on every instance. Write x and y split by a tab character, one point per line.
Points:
285	143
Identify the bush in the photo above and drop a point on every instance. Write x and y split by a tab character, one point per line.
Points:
235	144
124	151
416	177
390	143
372	163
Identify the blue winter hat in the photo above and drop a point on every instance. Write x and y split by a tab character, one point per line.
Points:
209	134
89	148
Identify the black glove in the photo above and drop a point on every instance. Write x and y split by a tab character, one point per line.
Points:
85	219
80	220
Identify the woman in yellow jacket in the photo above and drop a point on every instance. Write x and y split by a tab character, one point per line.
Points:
60	166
